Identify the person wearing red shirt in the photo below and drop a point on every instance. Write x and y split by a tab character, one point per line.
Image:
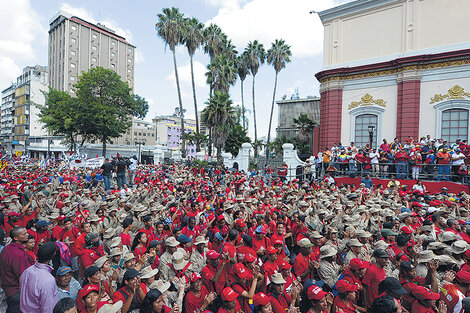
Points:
28	214
270	266
443	161
41	235
375	273
280	300
260	242
198	297
426	300
139	245
243	287
29	247
285	270
129	294
80	241
125	237
12	222
69	236
345	301
304	263
452	294
213	274
280	233
189	230
229	301
58	228
221	226
148	229
92	251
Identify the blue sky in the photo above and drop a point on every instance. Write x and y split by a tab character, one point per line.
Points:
23	41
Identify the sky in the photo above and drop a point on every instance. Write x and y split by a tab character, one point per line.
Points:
24	28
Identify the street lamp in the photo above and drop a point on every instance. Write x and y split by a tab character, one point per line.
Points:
139	144
49	142
371	135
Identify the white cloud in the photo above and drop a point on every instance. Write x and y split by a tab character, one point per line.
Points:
267	20
184	74
20	28
88	16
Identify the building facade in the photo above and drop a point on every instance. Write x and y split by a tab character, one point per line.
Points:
7	128
290	109
401	66
168	133
76	45
141	131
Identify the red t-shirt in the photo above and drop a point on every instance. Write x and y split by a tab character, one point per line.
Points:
257	244
371	281
244	303
126	239
193	303
302	264
207	273
340	306
238	308
419	308
280	304
71	235
270	268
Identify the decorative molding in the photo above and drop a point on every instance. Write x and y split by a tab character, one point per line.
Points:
456	92
365	110
367	100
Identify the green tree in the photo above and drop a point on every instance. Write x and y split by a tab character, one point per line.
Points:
277	143
169	28
256	56
242	68
213	40
219	116
193	38
62	116
305	125
278	56
236	137
107	105
221	73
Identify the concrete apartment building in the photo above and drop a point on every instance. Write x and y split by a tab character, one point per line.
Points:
76	45
7	114
168	133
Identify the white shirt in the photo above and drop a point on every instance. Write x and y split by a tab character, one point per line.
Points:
458	158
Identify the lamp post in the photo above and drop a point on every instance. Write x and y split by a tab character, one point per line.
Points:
139	144
371	135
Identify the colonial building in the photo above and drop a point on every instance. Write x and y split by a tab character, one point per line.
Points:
401	66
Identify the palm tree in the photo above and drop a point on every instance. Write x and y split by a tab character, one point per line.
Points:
278	56
219	116
213	45
256	55
221	73
169	29
242	67
193	37
305	125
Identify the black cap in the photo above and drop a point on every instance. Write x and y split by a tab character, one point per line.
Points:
381	253
392	284
406	266
130	273
91	270
152	244
147	218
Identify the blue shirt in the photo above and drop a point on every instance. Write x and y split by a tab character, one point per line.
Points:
72	292
367	182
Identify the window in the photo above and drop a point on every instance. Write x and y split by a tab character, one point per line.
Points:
113	66
73	52
93	48
94	36
129	71
113	54
72	65
129	50
113	43
129	60
361	130
73	40
93	60
74	27
454	124
128	81
72	78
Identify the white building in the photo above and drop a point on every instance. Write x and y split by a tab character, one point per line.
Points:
402	66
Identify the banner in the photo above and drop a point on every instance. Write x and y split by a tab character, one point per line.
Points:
95	163
3	165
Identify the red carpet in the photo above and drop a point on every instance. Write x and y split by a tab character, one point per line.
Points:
431	186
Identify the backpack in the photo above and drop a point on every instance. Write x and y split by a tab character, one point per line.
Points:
64	251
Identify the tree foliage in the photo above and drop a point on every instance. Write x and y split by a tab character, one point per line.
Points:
305	125
236	137
107	105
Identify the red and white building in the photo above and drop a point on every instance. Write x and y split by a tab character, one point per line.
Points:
402	66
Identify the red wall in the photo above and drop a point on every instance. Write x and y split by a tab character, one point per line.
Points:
408	109
330	118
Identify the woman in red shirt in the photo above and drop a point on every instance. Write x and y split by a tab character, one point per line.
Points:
319	300
29	249
198	297
344	302
139	245
154	302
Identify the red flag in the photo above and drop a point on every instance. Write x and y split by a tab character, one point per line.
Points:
96	155
118	155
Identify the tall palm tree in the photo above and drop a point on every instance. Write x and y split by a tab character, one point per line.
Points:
242	68
305	125
193	37
213	44
278	56
221	73
256	55
219	116
169	29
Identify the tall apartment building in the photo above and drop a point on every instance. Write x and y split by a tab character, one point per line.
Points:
168	133
7	114
28	93
76	45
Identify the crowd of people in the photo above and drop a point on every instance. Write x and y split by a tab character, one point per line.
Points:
186	239
426	158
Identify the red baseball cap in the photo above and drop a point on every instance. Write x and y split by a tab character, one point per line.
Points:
220	217
61	217
283	265
271	250
240	270
240	223
13	213
407	230
261	299
463	276
315	293
250	257
357	264
228	294
344	286
211	254
423	293
87	289
277	242
416	203
195	277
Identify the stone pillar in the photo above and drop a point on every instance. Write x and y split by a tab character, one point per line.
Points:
408	103
244	157
330	113
158	154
